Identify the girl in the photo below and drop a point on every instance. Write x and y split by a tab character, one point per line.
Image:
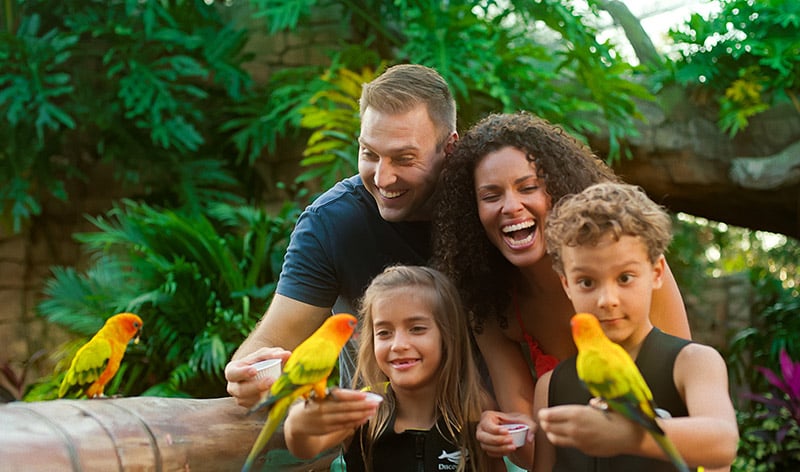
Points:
414	349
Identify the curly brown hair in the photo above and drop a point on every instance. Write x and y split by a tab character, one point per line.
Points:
461	248
607	208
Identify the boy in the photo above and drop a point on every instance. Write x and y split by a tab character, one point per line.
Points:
607	245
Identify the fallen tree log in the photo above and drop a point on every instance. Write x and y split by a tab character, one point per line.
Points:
138	433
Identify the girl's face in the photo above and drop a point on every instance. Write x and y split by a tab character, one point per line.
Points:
512	205
408	342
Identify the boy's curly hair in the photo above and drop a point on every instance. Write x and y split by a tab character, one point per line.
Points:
461	248
607	208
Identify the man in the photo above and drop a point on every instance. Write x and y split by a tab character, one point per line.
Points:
364	223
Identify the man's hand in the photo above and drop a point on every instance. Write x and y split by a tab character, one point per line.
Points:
241	376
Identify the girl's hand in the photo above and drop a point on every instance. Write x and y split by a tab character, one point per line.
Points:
342	409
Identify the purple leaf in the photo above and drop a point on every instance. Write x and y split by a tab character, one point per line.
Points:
773	378
791	375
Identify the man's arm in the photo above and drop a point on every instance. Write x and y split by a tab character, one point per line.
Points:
286	324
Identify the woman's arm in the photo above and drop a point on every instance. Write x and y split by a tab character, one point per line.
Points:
511	377
544	457
667	311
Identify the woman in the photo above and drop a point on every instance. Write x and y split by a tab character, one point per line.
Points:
496	191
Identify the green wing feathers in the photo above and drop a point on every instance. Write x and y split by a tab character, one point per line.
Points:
89	363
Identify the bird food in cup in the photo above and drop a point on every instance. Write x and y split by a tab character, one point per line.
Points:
518	432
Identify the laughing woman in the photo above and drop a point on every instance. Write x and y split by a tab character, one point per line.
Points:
497	189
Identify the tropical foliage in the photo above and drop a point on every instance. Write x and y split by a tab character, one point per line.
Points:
701	249
150	86
200	281
746	56
771	429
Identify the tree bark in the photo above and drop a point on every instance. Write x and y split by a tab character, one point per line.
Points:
139	433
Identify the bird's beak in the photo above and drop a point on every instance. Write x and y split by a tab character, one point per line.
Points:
136	338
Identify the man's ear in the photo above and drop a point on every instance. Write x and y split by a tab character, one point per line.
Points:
659	269
450	145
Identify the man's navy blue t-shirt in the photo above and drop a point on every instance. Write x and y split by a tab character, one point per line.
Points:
340	242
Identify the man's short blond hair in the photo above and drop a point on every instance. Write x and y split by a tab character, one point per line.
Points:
403	87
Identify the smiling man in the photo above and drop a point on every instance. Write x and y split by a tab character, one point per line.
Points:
364	223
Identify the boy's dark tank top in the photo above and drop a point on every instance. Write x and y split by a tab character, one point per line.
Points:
656	361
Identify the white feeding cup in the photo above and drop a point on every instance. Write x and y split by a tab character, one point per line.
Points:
268	368
518	431
373	397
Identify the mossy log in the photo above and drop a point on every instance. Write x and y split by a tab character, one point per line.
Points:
137	434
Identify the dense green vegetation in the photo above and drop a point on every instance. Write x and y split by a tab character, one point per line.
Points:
164	93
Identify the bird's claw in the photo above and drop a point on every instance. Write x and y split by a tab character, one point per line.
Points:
598	404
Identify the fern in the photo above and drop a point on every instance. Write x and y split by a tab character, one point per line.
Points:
199	280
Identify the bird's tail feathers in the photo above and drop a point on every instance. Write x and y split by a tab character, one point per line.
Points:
671	451
276	415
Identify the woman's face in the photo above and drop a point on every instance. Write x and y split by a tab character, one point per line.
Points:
512	205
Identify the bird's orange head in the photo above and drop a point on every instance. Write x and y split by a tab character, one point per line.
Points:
126	325
585	327
340	327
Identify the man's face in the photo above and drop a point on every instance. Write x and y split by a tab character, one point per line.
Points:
399	163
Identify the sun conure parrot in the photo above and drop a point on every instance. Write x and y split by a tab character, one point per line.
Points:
608	371
306	371
98	360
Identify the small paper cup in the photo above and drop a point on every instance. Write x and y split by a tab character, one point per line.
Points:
518	431
268	368
373	397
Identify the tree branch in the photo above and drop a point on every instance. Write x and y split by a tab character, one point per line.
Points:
777	171
640	41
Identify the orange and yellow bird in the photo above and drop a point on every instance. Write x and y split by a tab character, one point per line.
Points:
608	372
96	362
306	371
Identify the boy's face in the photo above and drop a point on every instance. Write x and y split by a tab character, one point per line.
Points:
614	280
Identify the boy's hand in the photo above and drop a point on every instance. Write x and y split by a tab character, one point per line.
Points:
593	431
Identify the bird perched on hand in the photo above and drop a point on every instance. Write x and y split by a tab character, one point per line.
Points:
306	371
608	372
97	361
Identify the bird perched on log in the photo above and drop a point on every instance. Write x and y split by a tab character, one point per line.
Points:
97	361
